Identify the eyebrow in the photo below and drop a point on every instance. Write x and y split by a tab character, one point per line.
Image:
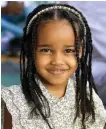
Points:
47	45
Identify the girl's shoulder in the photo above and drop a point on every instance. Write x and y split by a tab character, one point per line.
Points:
15	100
97	100
12	92
100	111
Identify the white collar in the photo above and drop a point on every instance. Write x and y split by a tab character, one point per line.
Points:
53	99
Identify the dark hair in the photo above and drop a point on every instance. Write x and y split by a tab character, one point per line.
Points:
31	90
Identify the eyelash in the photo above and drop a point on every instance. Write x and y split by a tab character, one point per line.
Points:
66	50
45	50
70	50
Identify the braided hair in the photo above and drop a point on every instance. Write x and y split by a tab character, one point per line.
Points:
33	94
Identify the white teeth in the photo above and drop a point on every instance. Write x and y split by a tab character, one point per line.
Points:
56	71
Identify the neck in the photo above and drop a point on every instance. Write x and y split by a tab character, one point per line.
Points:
56	90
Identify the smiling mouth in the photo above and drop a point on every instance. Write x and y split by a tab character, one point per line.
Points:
57	71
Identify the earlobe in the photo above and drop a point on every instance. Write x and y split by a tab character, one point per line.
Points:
80	52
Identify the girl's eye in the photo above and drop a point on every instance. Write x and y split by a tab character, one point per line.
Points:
69	50
45	50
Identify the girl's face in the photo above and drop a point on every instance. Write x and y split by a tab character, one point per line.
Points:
55	59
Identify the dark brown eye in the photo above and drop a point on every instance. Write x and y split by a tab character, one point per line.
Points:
69	50
45	50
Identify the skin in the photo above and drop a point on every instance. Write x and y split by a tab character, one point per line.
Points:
55	59
57	34
7	119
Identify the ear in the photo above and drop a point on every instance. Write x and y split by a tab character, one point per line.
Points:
80	52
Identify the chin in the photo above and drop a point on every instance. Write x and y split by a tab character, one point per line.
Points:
54	81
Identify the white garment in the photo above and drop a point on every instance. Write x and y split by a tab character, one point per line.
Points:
62	110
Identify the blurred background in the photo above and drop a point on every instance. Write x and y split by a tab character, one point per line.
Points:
13	17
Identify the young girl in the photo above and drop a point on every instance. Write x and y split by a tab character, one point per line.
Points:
57	89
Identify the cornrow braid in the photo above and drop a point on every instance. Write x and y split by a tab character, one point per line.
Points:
83	73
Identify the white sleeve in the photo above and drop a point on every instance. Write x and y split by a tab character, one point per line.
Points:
8	97
99	107
100	113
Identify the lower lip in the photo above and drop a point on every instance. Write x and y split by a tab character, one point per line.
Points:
58	72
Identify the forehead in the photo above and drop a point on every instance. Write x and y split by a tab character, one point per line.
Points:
55	32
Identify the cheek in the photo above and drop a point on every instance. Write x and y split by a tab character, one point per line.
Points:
73	63
41	61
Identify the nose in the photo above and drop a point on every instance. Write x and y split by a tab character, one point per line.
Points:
57	59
